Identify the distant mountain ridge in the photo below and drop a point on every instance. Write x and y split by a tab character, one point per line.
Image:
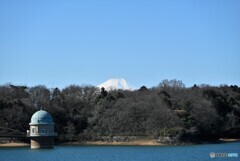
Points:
115	84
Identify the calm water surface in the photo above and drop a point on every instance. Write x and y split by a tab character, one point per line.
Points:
121	153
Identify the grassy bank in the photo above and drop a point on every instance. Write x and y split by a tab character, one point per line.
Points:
145	142
17	144
136	143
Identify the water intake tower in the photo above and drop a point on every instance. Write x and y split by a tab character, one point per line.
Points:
41	130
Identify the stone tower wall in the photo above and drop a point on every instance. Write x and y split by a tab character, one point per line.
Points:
42	142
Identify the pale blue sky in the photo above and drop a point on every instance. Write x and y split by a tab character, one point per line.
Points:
63	42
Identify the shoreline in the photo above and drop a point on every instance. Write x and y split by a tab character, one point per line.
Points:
229	140
146	142
14	144
115	143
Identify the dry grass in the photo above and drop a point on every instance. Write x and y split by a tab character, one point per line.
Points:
13	144
136	142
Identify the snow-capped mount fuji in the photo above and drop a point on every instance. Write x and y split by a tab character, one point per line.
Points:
115	84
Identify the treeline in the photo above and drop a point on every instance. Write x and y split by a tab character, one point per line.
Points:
81	113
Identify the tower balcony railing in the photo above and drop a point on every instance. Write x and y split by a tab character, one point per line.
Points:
41	134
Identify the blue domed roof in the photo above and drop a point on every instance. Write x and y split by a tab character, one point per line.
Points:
41	117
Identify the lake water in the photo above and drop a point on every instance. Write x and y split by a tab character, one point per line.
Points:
122	153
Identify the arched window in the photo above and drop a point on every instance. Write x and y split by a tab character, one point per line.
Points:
33	130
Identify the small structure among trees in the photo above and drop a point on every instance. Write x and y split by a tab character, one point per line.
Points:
41	130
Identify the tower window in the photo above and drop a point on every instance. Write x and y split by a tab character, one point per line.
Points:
33	130
42	131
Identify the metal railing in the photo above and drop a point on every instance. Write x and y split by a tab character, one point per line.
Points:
41	134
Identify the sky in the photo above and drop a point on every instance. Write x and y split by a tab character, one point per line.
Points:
62	42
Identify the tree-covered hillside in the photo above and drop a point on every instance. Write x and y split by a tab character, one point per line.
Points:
81	113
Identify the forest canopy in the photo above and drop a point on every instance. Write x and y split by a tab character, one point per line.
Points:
80	113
